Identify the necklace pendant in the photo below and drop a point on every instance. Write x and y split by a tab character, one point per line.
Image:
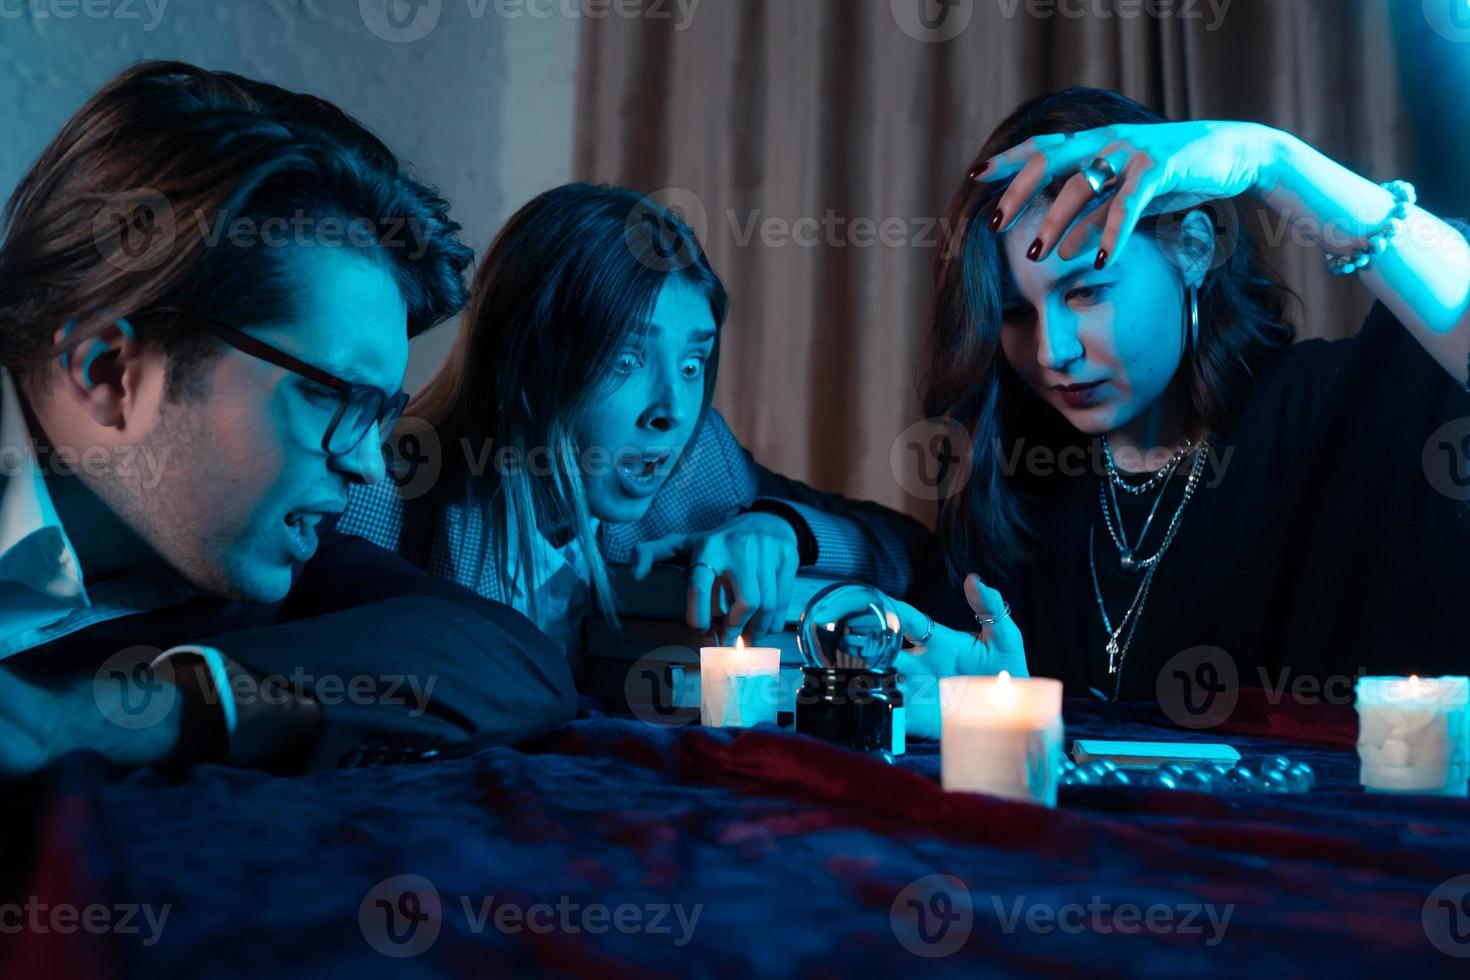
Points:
1128	563
1112	649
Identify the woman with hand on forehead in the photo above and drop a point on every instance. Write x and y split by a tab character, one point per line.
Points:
1297	508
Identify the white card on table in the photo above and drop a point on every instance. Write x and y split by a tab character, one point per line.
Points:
1145	755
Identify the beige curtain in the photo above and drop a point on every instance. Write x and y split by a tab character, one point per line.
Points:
814	143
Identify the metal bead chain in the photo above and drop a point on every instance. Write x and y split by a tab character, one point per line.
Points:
1139	488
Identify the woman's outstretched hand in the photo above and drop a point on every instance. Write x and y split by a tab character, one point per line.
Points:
947	653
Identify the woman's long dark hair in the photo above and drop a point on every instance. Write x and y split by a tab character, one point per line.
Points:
1244	325
568	283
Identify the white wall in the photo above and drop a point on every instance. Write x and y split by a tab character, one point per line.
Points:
481	104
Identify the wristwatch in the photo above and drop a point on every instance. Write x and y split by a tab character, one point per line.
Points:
207	712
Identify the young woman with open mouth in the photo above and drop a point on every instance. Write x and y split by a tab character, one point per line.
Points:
575	425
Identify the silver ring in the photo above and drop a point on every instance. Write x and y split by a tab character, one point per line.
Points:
704	564
985	621
927	633
1099	174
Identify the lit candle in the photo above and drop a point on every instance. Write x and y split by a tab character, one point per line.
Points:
1001	735
739	686
1414	734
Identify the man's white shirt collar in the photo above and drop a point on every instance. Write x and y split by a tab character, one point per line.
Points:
34	549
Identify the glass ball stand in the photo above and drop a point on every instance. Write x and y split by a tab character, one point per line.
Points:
848	636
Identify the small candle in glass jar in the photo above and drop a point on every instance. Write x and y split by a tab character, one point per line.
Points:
739	686
1414	734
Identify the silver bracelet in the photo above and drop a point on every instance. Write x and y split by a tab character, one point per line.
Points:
1404	197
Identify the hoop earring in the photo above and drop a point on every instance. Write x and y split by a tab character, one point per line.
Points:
1191	337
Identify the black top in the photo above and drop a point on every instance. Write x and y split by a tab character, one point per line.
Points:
1330	536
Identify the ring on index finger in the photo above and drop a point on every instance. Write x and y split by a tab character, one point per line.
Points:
1099	174
985	621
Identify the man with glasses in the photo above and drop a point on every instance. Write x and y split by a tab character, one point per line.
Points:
183	406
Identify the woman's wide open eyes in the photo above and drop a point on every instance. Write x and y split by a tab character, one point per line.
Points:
693	368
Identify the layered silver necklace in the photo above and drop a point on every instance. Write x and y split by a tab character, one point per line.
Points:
1121	636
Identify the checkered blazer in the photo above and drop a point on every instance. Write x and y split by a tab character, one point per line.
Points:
716	480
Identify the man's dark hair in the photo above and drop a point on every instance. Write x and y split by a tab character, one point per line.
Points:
169	188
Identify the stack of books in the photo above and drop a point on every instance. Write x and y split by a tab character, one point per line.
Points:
652	666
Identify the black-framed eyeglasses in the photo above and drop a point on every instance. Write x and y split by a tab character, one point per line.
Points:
359	406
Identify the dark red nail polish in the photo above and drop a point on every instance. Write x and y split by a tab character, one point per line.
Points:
1102	258
997	219
1034	252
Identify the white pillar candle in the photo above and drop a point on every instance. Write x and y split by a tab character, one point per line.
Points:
739	686
1414	734
1001	735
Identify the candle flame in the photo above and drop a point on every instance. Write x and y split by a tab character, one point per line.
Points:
1004	678
1413	685
740	643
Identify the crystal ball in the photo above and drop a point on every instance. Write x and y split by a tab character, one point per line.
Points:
849	626
1277	762
1116	777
